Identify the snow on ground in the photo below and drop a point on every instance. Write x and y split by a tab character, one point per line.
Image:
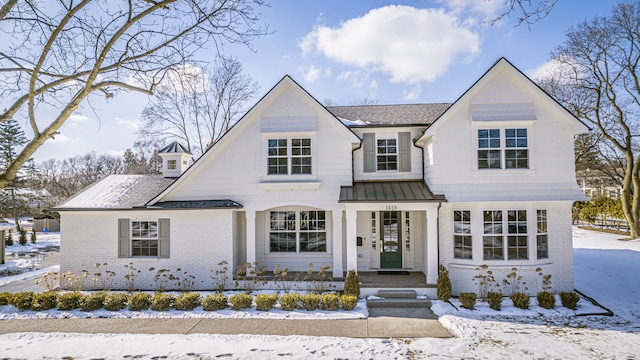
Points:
605	270
21	258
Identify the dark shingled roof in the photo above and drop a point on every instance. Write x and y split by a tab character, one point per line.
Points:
174	147
197	204
381	191
384	115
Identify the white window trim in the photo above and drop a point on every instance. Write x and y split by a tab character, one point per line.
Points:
297	209
387	137
132	238
283	178
502	126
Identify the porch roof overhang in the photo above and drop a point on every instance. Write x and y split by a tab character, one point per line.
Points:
389	191
196	204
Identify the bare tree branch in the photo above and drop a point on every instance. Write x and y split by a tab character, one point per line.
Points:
58	55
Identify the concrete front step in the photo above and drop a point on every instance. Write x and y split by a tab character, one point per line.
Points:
397	294
399	303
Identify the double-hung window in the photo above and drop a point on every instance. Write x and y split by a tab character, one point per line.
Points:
492	240
516	153
489	153
144	238
542	243
462	234
387	158
289	156
297	231
517	238
492	151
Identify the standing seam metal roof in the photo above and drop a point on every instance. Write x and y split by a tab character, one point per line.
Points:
380	191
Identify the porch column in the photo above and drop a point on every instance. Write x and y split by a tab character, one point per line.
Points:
352	250
337	243
251	235
432	245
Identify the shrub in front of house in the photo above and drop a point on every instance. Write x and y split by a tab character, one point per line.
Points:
45	300
5	298
266	302
310	302
349	302
330	302
520	300
115	301
69	300
352	284
23	237
8	240
467	300
494	298
546	300
187	301
93	301
290	301
215	302
240	301
443	284
22	300
162	301
139	301
569	299
33	236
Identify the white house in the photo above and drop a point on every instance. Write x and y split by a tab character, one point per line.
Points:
488	180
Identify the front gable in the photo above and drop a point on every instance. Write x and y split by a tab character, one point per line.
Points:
286	121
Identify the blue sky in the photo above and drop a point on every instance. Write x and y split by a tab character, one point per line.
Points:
426	51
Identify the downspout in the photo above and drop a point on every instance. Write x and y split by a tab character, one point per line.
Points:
353	167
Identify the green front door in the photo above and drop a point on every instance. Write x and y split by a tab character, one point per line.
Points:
391	251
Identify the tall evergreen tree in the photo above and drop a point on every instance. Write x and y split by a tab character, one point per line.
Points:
11	139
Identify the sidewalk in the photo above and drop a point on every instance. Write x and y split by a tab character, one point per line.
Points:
373	327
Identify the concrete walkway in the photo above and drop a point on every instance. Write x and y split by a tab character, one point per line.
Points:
373	327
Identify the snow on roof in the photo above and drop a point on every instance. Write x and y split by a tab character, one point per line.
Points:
381	115
118	192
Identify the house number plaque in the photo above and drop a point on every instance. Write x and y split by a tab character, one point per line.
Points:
391	207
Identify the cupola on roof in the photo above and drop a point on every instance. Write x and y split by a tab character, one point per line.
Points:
176	148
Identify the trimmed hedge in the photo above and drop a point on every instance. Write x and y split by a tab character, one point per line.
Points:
187	301
569	299
240	301
162	302
290	301
215	302
349	302
115	301
69	300
266	302
139	301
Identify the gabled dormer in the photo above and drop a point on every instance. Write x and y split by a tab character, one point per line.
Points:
175	159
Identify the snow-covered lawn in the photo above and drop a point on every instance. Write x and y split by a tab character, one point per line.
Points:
605	269
20	259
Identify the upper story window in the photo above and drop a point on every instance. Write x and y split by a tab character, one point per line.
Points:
492	151
489	149
289	156
171	164
387	158
516	153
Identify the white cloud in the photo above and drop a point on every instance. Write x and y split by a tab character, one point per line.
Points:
311	73
357	78
131	124
413	93
410	44
188	79
63	139
558	68
76	119
488	9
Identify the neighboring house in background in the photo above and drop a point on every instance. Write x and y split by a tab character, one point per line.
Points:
596	183
488	179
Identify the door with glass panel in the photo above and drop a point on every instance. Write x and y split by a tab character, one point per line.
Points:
391	240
